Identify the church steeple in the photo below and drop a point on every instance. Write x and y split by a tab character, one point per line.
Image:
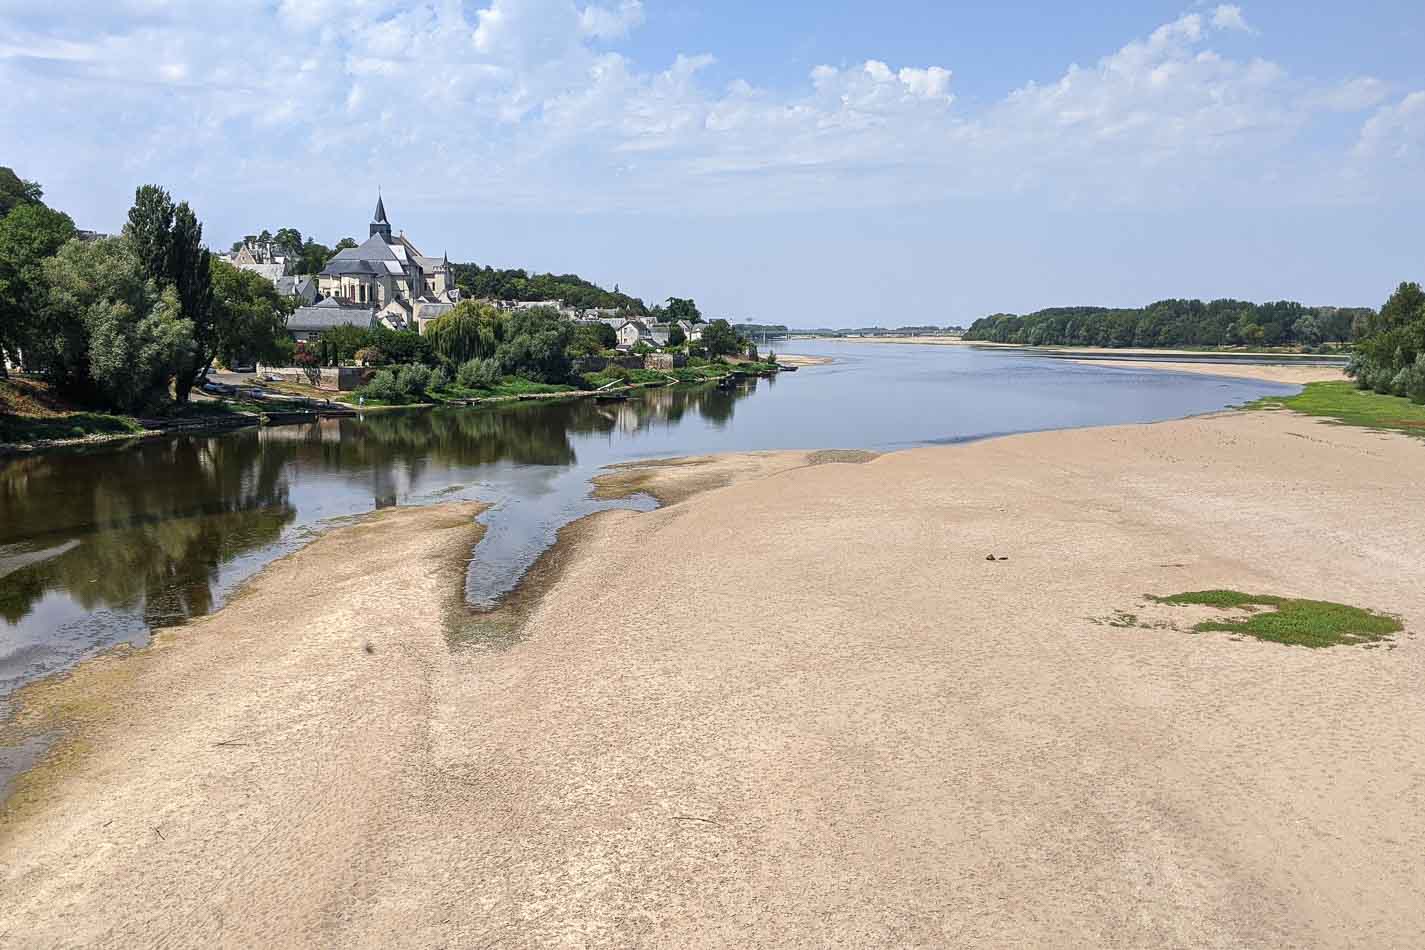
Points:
379	224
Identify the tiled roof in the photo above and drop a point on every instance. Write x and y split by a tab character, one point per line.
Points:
327	314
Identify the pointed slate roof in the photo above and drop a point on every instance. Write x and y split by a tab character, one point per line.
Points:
362	259
380	211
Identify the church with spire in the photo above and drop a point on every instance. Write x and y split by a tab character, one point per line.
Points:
386	275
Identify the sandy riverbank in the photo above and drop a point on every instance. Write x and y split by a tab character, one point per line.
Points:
793	359
796	708
1085	351
1272	373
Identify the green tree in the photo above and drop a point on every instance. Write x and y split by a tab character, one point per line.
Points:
346	340
289	240
113	335
676	336
1388	358
16	191
314	257
168	240
249	316
468	332
719	339
1405	306
343	244
682	308
28	234
591	339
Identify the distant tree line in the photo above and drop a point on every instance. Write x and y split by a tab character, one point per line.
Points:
127	322
1171	323
488	283
1389	357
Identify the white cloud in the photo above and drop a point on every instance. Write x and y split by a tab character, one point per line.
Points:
523	103
1352	95
1396	132
1229	17
611	24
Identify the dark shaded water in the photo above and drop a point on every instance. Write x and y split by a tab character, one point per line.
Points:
100	547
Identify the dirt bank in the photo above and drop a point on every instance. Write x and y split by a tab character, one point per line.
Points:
798	708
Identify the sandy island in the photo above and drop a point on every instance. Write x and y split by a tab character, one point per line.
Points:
1270	372
796	707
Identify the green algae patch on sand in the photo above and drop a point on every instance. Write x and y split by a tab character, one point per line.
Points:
1343	403
1308	623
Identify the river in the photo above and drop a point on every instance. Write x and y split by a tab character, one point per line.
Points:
99	547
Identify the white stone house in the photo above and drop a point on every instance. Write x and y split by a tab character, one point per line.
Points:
632	332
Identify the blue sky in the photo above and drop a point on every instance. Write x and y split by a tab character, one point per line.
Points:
824	164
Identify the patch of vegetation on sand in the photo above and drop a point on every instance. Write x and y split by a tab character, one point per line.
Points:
1307	623
1347	405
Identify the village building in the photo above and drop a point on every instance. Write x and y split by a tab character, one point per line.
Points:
632	332
303	287
265	258
307	324
389	276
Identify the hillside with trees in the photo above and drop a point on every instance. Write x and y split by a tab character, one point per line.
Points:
488	283
1176	323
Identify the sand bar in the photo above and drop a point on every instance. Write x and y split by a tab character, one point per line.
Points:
796	708
1270	372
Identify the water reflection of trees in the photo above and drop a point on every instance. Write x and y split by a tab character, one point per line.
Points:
155	523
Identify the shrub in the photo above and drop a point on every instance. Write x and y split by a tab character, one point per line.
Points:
1411	381
283	351
305	358
383	386
479	374
439	379
414	380
370	356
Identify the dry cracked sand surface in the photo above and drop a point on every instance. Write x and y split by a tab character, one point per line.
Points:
798	708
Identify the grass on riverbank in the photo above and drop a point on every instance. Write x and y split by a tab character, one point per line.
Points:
683	374
1307	623
509	386
30	412
1347	405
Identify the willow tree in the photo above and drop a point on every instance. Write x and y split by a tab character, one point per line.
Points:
468	332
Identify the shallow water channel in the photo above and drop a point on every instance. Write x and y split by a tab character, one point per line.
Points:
99	547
